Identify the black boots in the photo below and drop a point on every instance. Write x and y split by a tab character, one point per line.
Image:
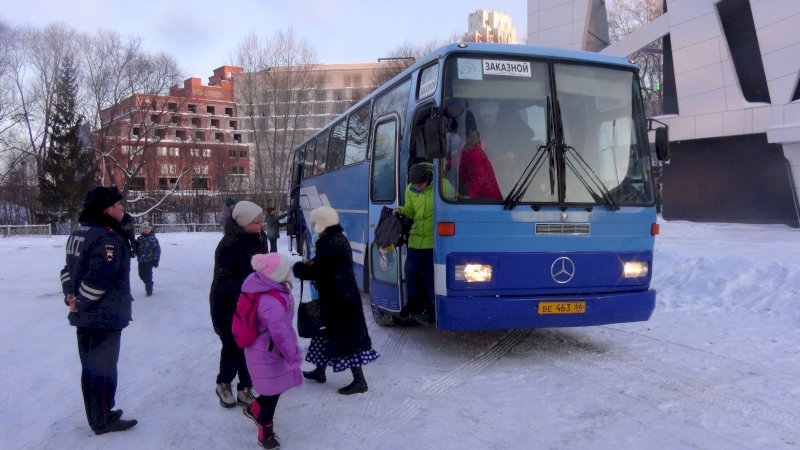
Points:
116	425
359	384
318	374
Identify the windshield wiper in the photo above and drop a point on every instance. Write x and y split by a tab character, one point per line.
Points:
524	181
594	184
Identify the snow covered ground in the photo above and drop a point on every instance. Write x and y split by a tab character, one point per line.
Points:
716	367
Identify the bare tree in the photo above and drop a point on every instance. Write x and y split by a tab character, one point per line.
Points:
35	72
9	107
129	108
627	16
278	82
403	56
33	61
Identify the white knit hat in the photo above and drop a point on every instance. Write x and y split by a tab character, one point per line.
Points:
324	217
245	212
273	265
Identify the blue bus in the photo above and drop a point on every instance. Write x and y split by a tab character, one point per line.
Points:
552	224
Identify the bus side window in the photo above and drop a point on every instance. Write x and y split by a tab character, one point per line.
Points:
336	146
357	136
384	162
308	164
417	153
321	154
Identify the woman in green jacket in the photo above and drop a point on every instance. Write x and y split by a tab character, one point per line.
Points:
419	259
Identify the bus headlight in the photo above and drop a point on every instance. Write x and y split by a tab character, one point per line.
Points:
635	269
472	273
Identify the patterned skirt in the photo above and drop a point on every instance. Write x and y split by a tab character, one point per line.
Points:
316	355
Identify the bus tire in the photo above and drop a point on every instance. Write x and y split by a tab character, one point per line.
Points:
382	318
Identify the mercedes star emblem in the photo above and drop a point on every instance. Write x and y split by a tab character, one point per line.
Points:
562	270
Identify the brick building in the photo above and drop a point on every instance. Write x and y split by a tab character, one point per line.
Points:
191	139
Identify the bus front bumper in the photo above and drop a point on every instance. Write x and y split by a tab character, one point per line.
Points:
488	313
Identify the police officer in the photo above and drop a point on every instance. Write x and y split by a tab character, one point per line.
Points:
96	285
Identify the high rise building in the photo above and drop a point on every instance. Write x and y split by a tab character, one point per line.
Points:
490	26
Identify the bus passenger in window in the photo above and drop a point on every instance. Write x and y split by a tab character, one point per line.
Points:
450	164
475	170
419	262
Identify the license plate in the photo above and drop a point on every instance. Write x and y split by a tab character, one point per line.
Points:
562	307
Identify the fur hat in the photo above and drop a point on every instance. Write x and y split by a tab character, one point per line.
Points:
101	197
324	217
147	225
273	265
245	212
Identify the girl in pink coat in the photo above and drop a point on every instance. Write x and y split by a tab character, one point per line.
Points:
274	358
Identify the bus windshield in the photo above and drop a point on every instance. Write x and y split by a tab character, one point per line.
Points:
499	124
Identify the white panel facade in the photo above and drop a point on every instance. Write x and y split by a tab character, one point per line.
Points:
557	23
559	37
695	56
710	98
693	31
768	12
704	103
737	122
681	11
783	61
700	80
791	112
708	125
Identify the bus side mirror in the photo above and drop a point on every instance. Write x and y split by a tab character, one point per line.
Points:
662	144
434	138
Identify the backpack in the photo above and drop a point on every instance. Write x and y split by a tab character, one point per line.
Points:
389	231
244	326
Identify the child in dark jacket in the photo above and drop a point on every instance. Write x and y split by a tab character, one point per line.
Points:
149	253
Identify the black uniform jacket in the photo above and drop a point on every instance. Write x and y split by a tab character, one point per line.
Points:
97	272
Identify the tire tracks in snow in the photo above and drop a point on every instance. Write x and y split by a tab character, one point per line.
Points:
573	354
422	397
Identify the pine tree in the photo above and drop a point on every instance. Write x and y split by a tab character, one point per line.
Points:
69	167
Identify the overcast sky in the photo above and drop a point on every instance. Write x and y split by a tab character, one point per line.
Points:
202	35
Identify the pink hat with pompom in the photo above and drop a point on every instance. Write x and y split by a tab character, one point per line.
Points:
273	265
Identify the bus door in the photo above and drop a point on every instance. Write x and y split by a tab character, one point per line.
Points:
293	221
385	267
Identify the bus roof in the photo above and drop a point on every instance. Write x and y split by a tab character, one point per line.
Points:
483	48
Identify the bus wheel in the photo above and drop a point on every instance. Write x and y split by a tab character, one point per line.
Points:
382	318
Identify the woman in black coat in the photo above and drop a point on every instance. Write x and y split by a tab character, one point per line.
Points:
346	343
244	237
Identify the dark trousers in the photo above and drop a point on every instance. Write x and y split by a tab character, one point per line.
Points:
418	271
267	403
146	275
232	362
99	353
273	245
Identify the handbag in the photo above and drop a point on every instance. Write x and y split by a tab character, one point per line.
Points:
309	320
